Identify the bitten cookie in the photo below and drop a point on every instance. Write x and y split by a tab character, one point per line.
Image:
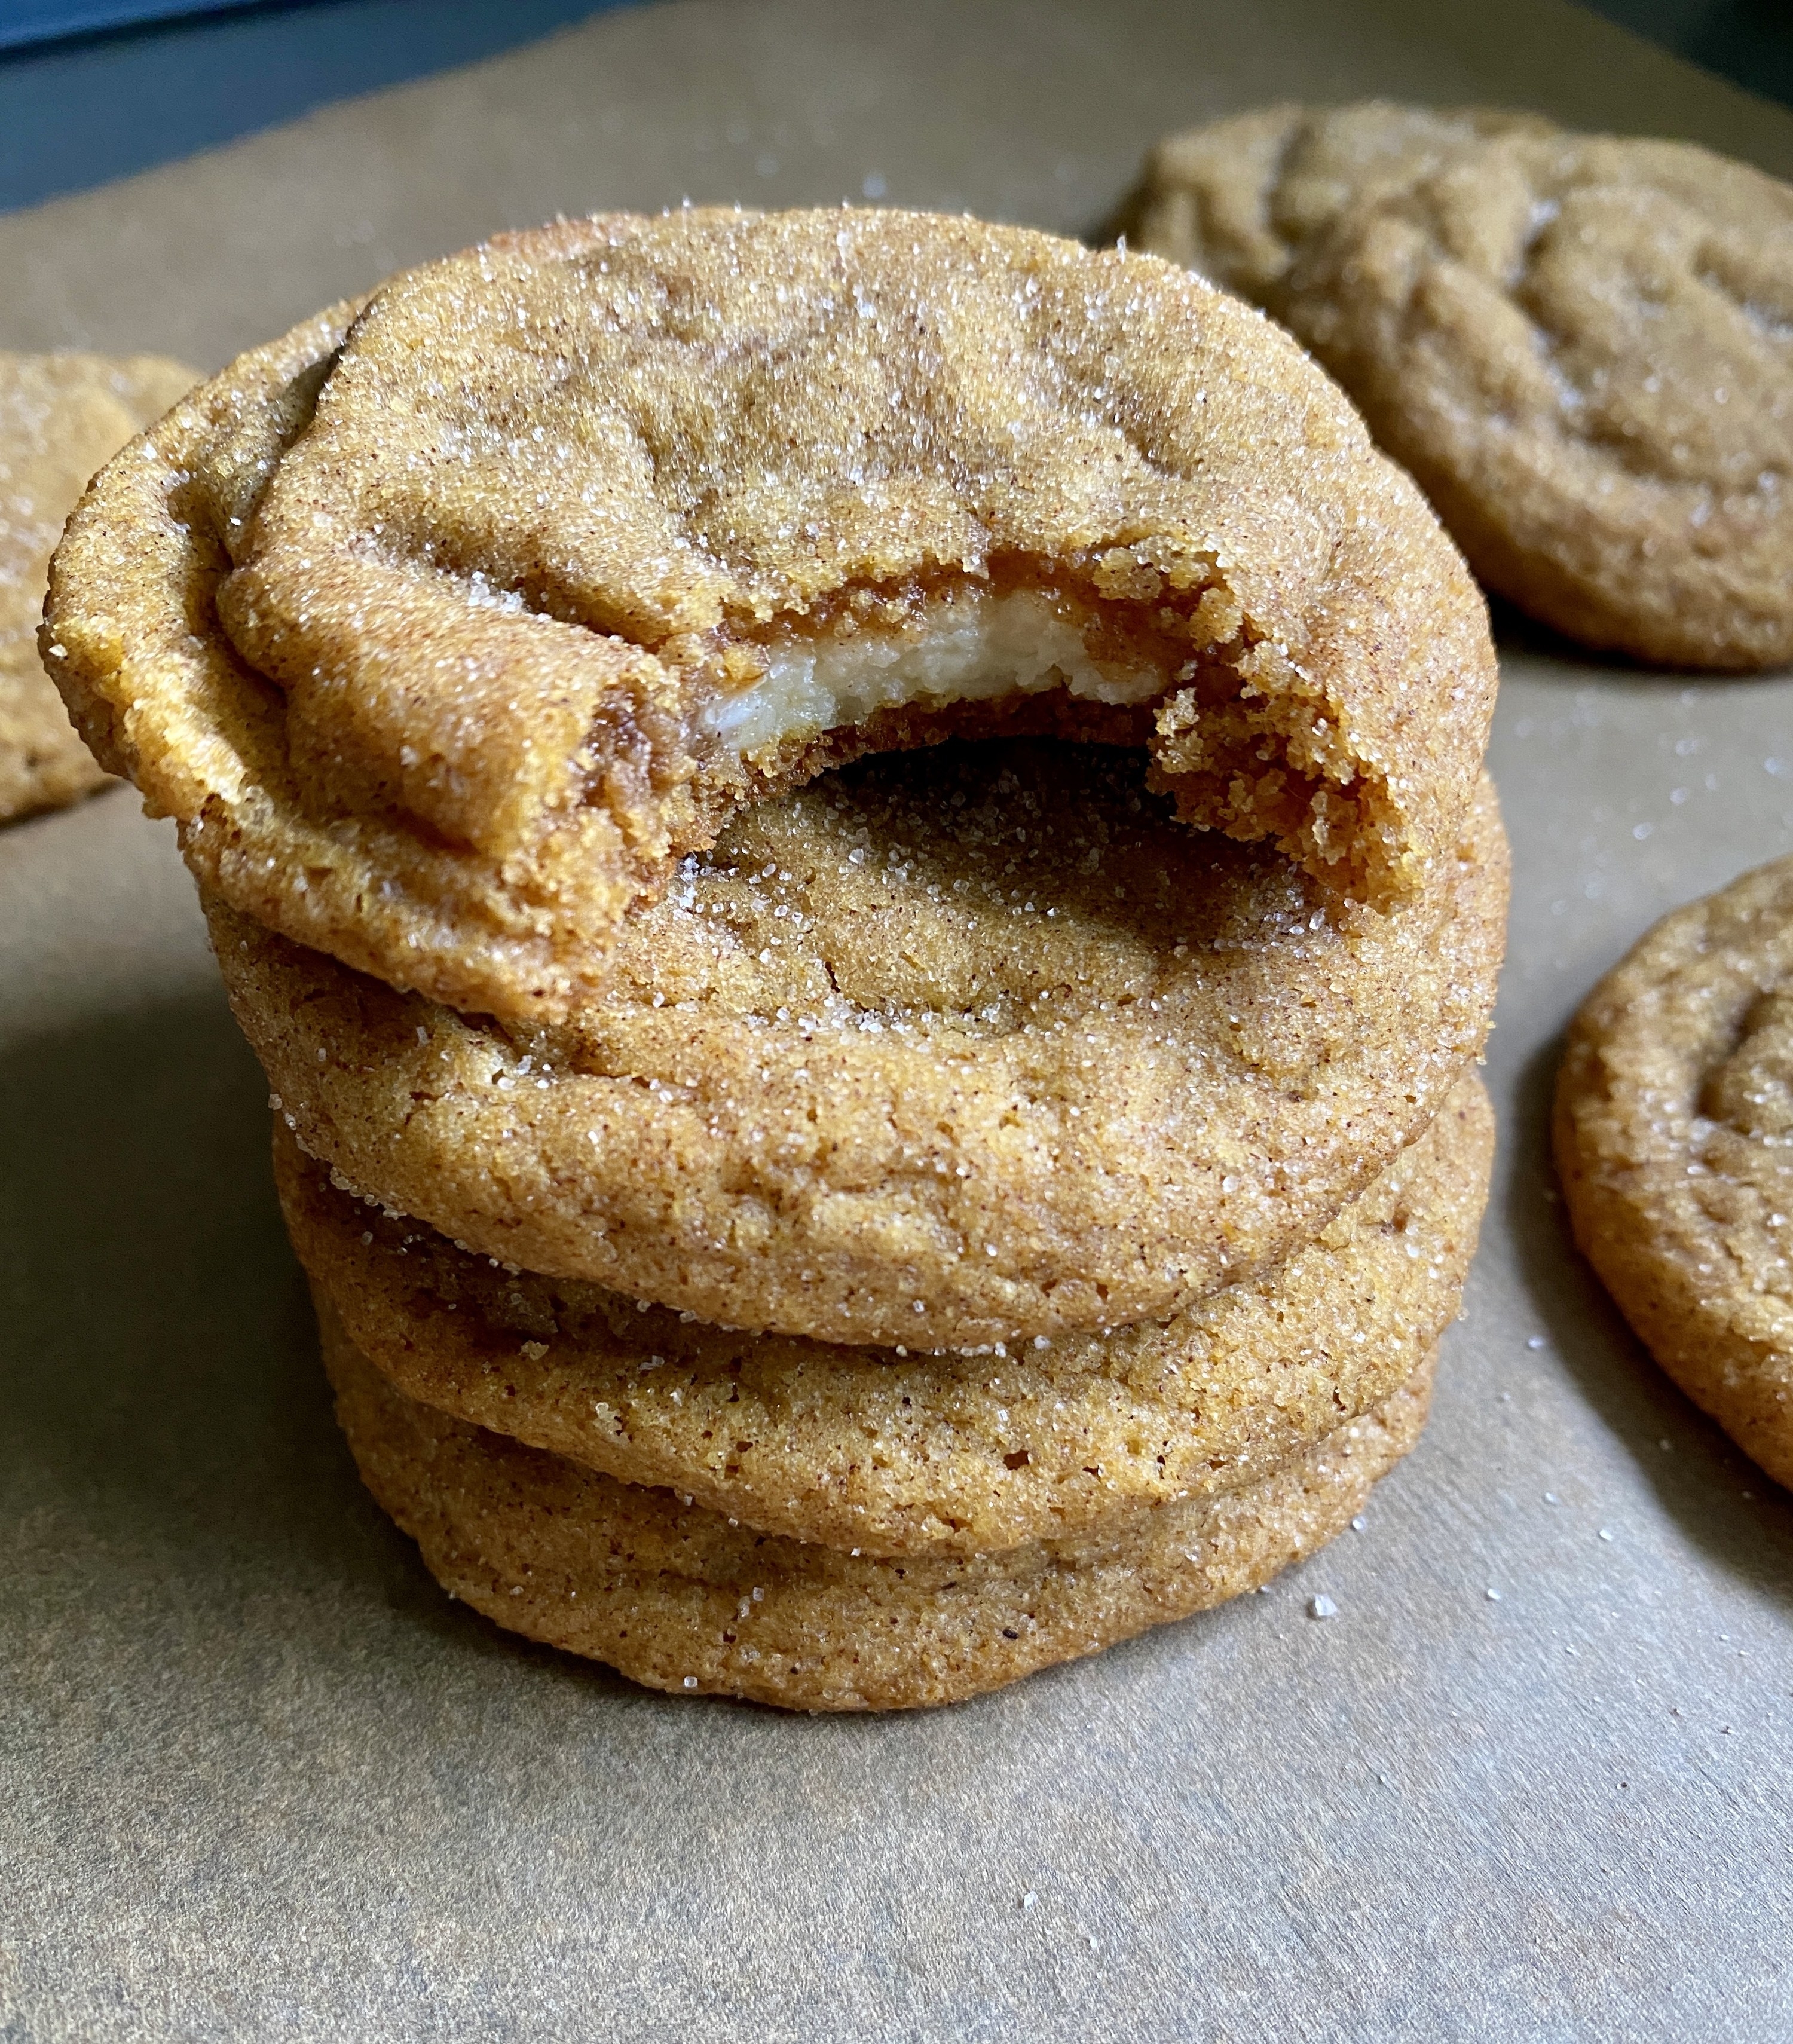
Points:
679	1599
61	417
511	584
1674	1136
1582	347
904	1454
941	1050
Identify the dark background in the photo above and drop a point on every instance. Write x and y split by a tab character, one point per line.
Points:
79	108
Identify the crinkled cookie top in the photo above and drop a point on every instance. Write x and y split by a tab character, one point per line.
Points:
445	628
1581	345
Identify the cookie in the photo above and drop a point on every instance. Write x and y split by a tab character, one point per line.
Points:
944	1049
897	1454
516	582
1582	347
1674	1112
679	1599
61	417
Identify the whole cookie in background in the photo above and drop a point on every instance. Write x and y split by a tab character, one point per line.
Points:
677	1598
62	416
1674	1136
944	1048
898	1453
1582	347
517	583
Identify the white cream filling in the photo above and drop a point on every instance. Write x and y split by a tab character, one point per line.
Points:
969	647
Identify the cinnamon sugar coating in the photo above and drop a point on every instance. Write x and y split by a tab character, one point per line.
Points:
900	1454
1674	1136
61	417
943	1049
1581	345
680	1599
430	625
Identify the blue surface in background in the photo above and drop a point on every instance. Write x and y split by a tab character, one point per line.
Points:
79	111
43	20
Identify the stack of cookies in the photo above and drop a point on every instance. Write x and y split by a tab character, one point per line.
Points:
855	846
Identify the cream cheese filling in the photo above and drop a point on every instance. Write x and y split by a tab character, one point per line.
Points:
973	646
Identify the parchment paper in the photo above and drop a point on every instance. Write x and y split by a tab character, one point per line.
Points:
261	1779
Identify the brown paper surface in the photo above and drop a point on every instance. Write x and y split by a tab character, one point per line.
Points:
261	1778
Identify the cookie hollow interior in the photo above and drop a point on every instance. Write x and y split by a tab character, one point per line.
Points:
1169	670
944	1049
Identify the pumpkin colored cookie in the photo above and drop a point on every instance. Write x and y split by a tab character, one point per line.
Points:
445	626
897	1454
1674	1136
677	1598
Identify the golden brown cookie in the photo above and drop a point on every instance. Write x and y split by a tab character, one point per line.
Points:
1674	1136
1581	345
677	1598
910	1455
61	416
513	586
944	1049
